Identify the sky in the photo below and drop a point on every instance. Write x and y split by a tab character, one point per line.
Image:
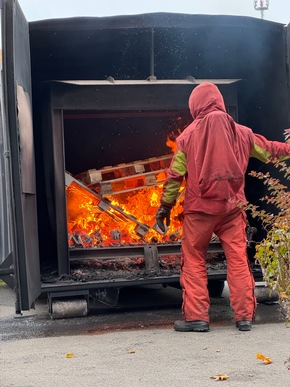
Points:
279	10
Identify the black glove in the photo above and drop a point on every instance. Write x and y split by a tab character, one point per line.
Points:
163	213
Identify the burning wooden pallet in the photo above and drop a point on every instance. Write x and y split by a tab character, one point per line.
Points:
124	215
129	177
106	205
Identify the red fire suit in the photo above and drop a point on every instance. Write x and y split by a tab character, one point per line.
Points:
212	155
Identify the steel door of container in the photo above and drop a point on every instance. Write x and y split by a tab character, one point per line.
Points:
20	211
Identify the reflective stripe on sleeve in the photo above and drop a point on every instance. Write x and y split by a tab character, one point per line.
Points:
179	163
260	153
170	194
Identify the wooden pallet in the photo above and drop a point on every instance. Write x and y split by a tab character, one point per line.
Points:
129	177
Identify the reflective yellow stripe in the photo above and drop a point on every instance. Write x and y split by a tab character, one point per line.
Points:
179	163
283	158
260	153
172	188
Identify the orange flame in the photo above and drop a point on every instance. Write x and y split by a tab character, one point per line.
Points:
89	226
171	140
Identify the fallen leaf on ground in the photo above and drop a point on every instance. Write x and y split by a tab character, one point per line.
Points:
220	377
70	355
265	359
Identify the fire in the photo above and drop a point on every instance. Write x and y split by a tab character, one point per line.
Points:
154	199
171	140
171	144
127	217
89	226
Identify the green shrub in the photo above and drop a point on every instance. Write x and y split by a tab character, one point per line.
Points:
273	252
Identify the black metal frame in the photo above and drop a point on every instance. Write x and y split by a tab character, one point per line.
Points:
111	95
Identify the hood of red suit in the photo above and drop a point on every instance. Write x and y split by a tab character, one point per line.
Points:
204	99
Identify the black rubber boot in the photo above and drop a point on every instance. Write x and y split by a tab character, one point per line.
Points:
244	325
191	326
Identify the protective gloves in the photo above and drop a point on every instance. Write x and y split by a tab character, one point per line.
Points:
162	214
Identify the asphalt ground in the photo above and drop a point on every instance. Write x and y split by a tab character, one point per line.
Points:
136	346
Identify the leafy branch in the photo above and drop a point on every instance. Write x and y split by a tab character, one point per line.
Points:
273	252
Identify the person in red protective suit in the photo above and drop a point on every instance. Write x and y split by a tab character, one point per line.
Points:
212	155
